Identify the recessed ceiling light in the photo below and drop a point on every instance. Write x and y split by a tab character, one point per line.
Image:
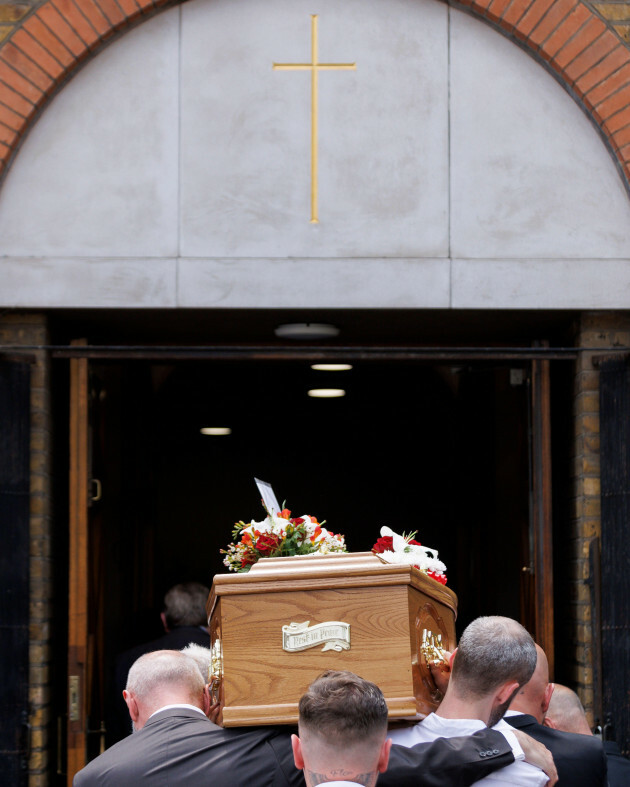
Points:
306	330
331	367
326	393
216	430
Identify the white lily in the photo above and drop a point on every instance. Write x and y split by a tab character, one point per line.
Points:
411	554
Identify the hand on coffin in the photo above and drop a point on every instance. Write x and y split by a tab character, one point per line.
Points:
441	671
539	755
213	712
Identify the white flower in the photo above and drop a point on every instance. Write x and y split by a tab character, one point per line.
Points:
411	554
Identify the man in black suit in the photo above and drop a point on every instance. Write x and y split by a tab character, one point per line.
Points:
566	712
580	760
174	743
185	621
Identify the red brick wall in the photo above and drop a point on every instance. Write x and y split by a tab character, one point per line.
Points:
44	42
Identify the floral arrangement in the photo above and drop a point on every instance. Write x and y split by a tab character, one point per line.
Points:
279	535
392	548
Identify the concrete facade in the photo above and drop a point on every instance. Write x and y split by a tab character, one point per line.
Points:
455	173
150	185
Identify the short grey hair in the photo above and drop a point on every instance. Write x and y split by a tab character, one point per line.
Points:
152	672
202	658
493	650
185	605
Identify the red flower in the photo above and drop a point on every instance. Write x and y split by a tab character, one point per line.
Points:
413	541
383	544
267	542
437	577
297	521
285	513
317	532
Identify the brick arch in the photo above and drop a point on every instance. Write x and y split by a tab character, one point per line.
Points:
46	41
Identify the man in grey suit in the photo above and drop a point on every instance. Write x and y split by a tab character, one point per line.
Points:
175	743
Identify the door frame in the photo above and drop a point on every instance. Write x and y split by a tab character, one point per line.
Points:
78	564
79	354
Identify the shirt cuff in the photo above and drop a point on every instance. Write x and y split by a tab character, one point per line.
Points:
517	751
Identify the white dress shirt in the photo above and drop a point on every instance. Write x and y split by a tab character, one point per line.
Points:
518	773
178	705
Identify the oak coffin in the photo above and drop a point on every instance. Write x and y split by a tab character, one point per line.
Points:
276	628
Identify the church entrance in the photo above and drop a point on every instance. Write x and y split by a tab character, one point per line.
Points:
450	448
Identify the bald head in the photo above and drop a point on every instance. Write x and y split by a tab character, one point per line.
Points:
565	712
164	677
534	696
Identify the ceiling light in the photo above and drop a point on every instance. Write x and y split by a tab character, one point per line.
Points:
216	430
306	330
326	393
331	367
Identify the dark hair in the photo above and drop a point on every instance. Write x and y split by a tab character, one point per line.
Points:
340	705
185	605
492	651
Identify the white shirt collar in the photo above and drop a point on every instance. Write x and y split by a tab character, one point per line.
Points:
178	705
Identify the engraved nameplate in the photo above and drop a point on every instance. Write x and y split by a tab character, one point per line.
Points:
300	636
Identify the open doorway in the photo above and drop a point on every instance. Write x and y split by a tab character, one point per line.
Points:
441	450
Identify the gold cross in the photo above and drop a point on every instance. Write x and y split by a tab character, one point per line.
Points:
314	67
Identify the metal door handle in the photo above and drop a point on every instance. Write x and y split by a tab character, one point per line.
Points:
98	490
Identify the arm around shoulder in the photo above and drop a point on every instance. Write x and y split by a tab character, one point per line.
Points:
448	762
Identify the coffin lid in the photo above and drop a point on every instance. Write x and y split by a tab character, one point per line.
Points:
319	572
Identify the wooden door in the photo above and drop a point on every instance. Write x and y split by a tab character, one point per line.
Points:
103	528
541	541
615	550
78	566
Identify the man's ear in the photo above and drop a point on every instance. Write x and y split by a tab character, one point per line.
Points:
207	701
132	706
383	758
547	697
296	745
163	619
507	691
452	658
547	722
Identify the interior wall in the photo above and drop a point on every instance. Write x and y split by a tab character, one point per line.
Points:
441	451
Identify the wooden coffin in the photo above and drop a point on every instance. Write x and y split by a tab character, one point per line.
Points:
279	626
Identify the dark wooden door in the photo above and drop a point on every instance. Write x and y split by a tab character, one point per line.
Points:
78	566
14	569
615	546
541	536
